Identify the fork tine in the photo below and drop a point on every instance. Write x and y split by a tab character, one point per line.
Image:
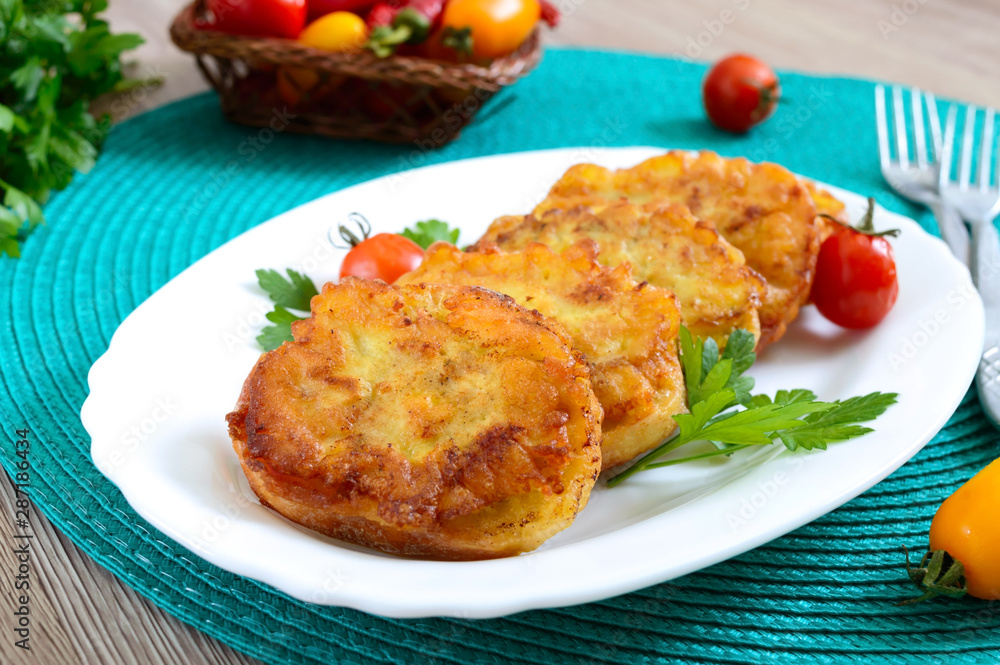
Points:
920	138
948	146
935	123
965	174
899	120
986	151
882	127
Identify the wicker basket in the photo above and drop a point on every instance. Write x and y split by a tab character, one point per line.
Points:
282	84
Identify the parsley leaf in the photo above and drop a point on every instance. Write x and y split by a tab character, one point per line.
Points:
839	423
281	315
428	232
692	362
716	385
271	337
691	424
784	397
295	292
756	425
700	358
740	348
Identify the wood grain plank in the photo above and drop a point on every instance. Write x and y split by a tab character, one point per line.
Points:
82	614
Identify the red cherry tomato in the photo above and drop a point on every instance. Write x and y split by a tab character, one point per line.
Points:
384	256
319	8
739	92
254	18
855	284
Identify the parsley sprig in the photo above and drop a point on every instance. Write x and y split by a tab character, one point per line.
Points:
291	293
55	58
722	409
428	232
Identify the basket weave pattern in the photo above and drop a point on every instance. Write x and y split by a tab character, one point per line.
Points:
399	99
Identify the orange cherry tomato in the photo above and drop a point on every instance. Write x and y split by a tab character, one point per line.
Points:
340	32
384	256
496	27
967	526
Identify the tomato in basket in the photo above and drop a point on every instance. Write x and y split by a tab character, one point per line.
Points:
387	101
254	18
299	86
319	8
484	29
340	32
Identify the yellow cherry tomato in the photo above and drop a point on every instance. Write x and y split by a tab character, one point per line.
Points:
340	32
967	526
497	27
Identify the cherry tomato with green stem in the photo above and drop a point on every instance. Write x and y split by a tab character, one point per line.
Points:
855	284
385	256
739	92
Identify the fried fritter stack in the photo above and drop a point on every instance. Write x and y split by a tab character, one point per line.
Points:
626	331
665	245
431	421
465	412
763	209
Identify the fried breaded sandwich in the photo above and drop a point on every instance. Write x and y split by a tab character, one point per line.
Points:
763	209
431	421
626	330
665	245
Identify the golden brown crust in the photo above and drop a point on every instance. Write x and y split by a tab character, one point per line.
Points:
665	246
627	331
763	209
431	421
827	206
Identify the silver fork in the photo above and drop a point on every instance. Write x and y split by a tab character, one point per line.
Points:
979	206
918	181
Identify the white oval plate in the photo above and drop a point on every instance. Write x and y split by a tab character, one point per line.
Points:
175	366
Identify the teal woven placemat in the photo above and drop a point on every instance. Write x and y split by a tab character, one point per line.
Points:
175	183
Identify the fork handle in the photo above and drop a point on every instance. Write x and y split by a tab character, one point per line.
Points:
986	273
953	230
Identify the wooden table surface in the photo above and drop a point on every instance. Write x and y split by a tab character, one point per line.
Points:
80	613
